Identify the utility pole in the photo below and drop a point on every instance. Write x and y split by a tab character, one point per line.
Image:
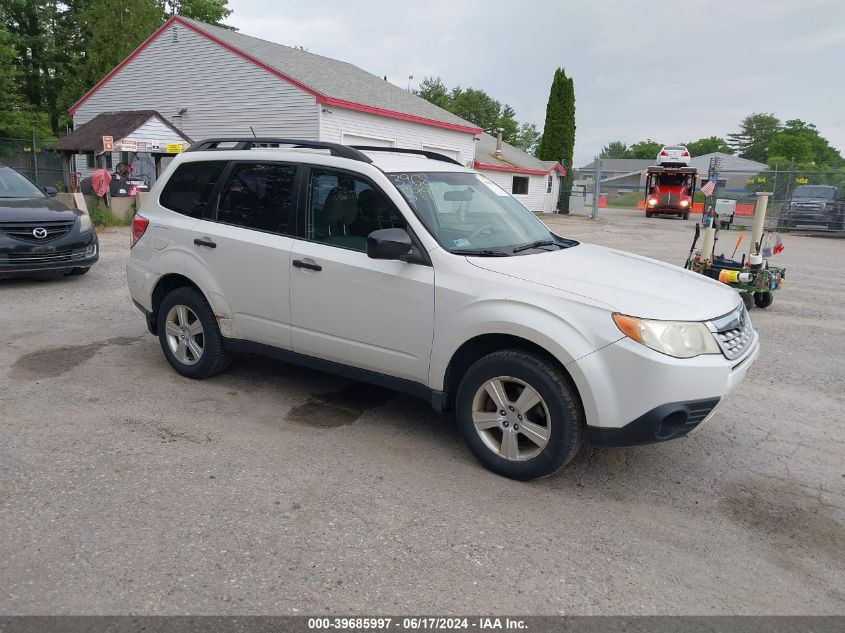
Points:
596	189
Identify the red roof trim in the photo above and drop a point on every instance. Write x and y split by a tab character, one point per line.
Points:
349	105
320	97
520	170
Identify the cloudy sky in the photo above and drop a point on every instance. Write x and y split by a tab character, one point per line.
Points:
672	71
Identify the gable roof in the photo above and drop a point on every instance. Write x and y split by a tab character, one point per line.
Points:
513	159
729	162
331	81
620	164
118	125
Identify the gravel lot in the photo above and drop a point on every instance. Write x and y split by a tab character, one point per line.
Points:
125	488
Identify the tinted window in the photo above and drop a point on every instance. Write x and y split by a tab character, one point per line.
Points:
259	196
343	210
189	188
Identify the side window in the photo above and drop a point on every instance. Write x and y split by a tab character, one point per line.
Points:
343	210
520	186
259	196
189	188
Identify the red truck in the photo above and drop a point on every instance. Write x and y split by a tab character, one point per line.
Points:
669	191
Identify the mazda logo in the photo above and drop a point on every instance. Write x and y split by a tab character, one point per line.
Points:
40	233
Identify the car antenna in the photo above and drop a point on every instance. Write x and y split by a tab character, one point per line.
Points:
254	135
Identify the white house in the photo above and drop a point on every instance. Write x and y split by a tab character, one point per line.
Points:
535	183
213	82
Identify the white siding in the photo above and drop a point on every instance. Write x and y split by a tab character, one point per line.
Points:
154	130
339	121
223	93
535	200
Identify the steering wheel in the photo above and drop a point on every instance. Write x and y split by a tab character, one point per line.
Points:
481	229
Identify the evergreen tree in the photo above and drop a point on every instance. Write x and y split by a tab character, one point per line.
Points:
755	135
558	142
614	149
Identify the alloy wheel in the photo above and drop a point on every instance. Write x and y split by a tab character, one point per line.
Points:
511	418
185	334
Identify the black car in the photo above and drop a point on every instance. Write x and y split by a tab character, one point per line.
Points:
38	234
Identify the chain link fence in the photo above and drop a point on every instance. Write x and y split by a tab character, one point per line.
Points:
31	158
802	200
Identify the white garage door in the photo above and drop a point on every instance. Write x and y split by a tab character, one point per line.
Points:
358	139
451	153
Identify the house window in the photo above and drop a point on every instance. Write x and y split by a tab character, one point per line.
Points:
92	161
549	184
520	186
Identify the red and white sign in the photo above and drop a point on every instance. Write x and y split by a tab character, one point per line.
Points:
108	144
129	145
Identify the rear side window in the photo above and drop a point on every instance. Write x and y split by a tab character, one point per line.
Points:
189	188
259	196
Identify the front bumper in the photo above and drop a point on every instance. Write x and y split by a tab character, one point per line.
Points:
51	260
634	395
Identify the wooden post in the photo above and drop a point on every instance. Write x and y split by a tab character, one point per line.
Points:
66	171
158	165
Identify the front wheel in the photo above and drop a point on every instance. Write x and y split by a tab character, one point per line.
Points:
189	336
685	216
519	415
763	299
648	214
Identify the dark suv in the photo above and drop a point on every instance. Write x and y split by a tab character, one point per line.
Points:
817	205
38	234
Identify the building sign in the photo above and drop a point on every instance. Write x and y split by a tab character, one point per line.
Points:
173	148
128	145
108	144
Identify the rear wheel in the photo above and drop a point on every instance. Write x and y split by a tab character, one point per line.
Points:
763	299
519	415
189	336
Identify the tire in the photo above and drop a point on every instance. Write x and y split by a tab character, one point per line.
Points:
80	271
649	214
747	299
177	315
557	422
685	216
763	299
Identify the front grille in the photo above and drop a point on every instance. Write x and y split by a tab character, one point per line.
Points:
696	416
734	332
43	258
25	231
668	198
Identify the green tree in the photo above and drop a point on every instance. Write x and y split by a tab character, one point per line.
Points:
527	138
708	145
614	149
755	135
433	90
45	37
208	11
558	141
802	142
644	149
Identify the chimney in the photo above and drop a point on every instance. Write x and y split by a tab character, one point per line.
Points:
498	152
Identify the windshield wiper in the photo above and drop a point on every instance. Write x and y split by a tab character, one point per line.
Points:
483	252
536	244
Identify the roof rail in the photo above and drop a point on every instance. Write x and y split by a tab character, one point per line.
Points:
251	142
403	150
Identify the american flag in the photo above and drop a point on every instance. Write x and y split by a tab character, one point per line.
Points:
708	187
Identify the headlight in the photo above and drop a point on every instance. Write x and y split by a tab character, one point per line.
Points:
652	202
85	223
681	339
684	203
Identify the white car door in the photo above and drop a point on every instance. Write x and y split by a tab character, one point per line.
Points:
345	307
246	248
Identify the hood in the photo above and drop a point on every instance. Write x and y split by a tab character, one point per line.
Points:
35	210
627	283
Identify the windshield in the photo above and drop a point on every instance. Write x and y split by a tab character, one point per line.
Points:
13	185
813	192
468	213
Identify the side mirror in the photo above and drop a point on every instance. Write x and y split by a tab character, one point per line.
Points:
50	191
390	244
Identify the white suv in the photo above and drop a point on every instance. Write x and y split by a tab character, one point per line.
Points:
405	269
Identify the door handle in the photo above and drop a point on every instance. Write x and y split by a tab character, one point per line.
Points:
298	263
204	241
